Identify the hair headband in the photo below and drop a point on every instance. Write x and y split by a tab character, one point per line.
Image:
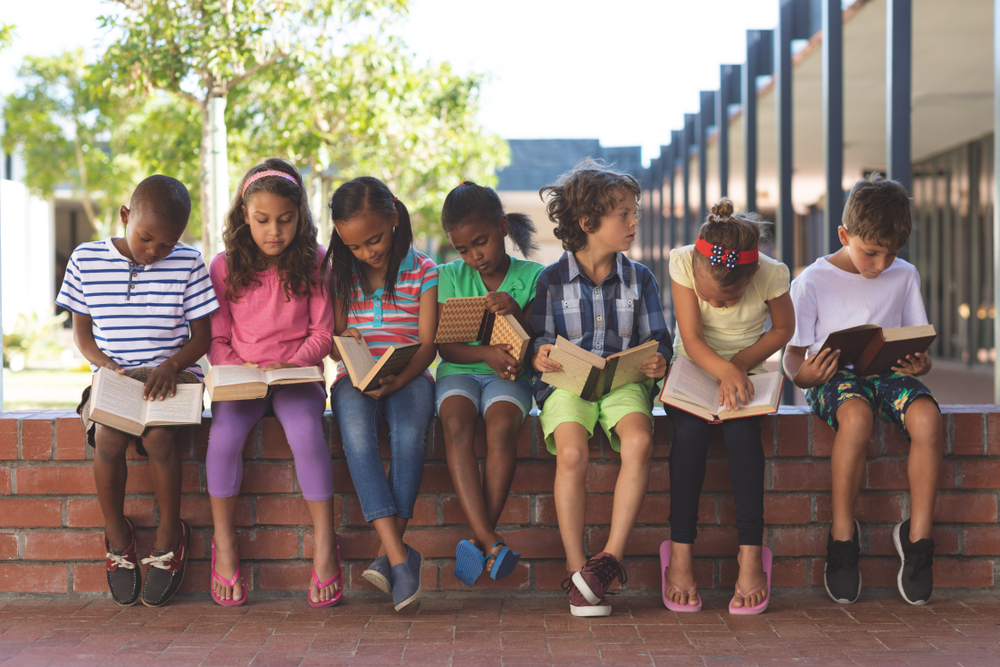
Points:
261	174
730	258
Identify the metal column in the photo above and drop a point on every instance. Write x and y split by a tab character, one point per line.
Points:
689	126
996	194
706	118
833	122
784	214
898	55
675	148
760	62
729	93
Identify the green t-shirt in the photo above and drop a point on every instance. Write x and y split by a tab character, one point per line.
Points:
457	279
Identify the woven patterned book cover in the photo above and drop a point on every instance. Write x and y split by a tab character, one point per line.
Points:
504	333
460	319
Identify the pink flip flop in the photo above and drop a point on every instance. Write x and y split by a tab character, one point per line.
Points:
231	584
766	557
664	564
320	584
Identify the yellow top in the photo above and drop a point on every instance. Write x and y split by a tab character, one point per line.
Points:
731	329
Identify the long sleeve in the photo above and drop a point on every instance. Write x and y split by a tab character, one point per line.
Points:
541	319
652	323
318	341
221	352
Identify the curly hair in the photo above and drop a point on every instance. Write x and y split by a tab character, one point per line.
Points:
733	231
588	193
365	193
878	210
297	264
469	199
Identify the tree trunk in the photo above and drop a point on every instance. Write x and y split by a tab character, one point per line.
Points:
204	187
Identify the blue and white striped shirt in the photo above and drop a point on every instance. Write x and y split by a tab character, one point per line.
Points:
140	313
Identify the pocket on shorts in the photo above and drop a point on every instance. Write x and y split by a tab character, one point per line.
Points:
569	316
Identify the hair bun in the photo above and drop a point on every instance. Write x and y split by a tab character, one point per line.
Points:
722	210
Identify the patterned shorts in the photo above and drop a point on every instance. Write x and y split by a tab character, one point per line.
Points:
888	394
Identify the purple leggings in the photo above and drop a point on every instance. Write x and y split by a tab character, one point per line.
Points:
299	408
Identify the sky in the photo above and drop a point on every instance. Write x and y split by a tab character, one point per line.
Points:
624	72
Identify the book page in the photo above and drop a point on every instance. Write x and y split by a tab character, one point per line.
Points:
304	373
224	375
118	395
460	319
184	407
906	333
763	388
629	366
687	379
357	358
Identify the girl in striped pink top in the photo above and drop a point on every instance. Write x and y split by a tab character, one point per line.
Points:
384	292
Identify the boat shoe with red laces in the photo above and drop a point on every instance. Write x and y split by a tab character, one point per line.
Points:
123	570
166	571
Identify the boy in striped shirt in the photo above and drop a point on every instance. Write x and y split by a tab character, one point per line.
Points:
140	306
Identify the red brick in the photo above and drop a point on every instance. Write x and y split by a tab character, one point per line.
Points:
967	435
363	544
63	546
139	480
894	443
531	477
779	508
8	546
809	541
981	541
963	573
4	480
876	572
992	433
34	578
549	576
8	439
889	474
86	513
197	511
881	543
424	512
25	512
870	507
342	481
285	511
980	474
602	476
268	478
199	436
436	479
789	573
198	574
516	510
92	578
800	476
284	576
768	427
965	508
793	436
268	544
36	439
71	443
823	436
275	444
518	580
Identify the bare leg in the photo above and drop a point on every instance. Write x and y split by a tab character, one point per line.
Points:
847	464
226	547
751	575
324	549
681	573
165	473
926	430
110	475
390	531
572	459
636	434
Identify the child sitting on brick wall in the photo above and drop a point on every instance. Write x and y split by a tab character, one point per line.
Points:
865	283
133	300
605	303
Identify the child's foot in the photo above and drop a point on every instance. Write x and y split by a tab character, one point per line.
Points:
227	561
596	576
325	565
841	575
123	569
752	578
166	570
579	606
916	576
682	587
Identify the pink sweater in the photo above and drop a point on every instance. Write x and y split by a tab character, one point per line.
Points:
265	328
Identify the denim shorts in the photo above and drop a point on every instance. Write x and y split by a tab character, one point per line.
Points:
485	390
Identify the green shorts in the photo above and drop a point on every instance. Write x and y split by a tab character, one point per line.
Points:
562	406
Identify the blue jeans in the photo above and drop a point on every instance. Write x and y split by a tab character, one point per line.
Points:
485	390
407	414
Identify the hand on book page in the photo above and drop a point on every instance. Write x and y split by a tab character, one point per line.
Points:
162	382
545	364
735	387
913	364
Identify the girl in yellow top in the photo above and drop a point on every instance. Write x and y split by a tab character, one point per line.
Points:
723	293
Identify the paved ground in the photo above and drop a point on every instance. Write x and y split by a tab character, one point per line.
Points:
798	629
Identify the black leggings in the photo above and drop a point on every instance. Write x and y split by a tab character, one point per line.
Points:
688	454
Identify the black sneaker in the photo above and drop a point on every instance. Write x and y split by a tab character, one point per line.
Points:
841	576
916	576
166	571
123	570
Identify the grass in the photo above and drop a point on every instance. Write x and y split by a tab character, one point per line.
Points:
43	389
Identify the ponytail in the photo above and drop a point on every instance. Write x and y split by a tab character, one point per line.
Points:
469	199
521	230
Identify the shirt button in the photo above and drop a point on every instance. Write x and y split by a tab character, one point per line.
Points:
597	345
597	291
598	318
135	274
131	286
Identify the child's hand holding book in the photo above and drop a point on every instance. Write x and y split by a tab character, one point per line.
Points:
498	358
914	364
655	367
501	303
817	369
543	363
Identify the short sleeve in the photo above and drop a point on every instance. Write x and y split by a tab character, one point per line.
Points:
446	282
429	278
71	296
777	283
680	267
199	295
806	313
914	312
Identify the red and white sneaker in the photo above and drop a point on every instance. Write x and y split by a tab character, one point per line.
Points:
579	606
596	576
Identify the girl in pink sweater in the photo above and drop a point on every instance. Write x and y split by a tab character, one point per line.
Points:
273	313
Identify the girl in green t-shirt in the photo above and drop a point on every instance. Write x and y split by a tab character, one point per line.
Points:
485	380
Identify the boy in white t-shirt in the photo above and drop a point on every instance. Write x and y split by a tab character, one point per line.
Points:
864	283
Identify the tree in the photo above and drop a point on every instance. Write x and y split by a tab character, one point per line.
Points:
68	134
6	35
200	50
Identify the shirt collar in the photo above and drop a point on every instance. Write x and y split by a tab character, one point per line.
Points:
621	270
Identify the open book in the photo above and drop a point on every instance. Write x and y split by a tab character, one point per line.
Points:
241	383
365	372
116	401
691	389
590	376
874	350
467	319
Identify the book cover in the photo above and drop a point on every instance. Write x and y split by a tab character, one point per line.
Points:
591	376
240	383
873	350
689	388
364	371
467	319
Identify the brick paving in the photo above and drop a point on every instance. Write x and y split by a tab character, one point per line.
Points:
798	629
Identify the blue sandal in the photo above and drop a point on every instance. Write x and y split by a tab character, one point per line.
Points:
504	562
469	563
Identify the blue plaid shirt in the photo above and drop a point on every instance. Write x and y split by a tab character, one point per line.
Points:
624	311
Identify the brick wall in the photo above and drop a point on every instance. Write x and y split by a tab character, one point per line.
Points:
51	535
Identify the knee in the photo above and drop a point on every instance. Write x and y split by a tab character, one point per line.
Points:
573	460
855	421
159	444
923	421
502	435
111	445
637	448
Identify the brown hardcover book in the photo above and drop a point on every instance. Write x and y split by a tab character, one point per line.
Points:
873	350
590	376
695	391
242	383
467	319
116	401
365	372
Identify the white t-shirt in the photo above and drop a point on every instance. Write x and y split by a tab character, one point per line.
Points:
829	299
